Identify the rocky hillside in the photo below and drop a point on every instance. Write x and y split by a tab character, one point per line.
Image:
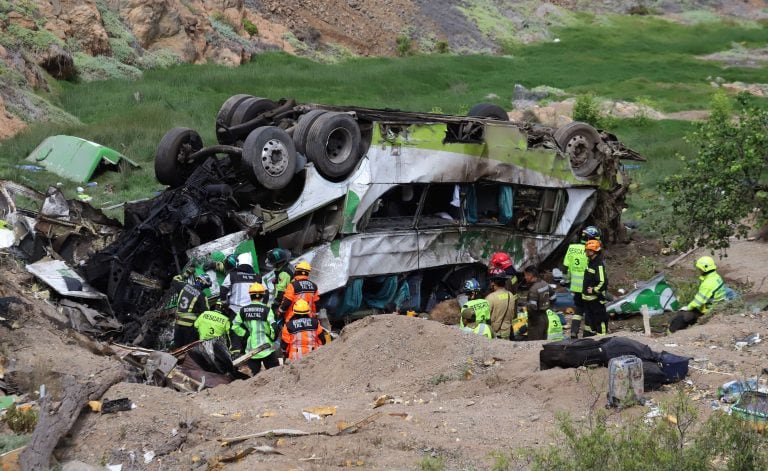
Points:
44	40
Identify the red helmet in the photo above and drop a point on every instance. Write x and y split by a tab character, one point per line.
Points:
501	260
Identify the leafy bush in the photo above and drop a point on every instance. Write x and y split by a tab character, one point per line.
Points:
250	27
724	183
442	47
430	463
17	37
587	109
11	442
404	45
671	442
160	59
20	420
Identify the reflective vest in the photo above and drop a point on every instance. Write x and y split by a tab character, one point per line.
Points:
189	304
482	310
554	326
256	319
238	282
212	324
576	262
480	329
301	335
711	291
299	288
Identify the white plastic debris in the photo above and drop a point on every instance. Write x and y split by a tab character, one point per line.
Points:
115	467
310	416
149	456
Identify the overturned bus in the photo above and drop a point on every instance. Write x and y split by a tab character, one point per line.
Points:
389	207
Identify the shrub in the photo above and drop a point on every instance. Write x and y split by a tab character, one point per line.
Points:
250	27
442	47
432	463
404	45
587	109
20	420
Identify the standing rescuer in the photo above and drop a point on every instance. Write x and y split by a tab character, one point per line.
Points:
503	261
503	304
476	312
595	286
575	263
537	304
302	333
189	304
301	288
234	289
711	291
257	321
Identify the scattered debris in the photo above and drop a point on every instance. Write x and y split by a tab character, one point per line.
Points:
55	419
263	449
748	341
74	158
381	400
281	432
106	406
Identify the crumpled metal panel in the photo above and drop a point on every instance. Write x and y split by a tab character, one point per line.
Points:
52	273
403	251
224	244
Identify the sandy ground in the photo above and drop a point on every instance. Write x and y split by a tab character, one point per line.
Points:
454	395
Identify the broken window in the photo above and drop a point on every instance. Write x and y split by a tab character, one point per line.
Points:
538	209
442	205
396	209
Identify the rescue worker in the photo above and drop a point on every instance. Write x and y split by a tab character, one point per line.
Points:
211	324
503	261
711	291
575	263
301	288
469	323
277	260
476	306
257	321
234	288
554	326
595	287
503	304
189	304
216	272
302	332
537	304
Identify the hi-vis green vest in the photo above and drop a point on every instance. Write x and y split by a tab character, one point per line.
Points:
711	291
576	262
212	324
482	310
554	327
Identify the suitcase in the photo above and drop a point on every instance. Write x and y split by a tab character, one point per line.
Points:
674	366
571	353
625	381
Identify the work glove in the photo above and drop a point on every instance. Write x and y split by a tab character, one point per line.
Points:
684	308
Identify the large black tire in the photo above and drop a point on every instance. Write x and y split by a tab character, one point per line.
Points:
302	129
333	145
271	156
228	109
579	142
488	110
250	108
172	163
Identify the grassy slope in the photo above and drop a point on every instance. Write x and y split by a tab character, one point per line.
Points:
623	58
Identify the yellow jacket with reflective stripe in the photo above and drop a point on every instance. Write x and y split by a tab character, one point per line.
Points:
711	290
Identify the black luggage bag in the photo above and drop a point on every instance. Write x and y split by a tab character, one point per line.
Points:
572	353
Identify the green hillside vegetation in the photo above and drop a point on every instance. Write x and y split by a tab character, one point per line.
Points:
630	58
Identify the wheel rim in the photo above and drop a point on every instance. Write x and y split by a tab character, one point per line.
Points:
339	145
274	157
578	150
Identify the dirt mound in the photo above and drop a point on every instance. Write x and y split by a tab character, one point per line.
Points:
385	353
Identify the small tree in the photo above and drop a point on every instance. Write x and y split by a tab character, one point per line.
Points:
587	109
725	183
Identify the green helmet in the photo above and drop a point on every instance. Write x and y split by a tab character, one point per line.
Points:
705	264
217	256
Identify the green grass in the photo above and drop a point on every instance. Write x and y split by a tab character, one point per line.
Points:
619	57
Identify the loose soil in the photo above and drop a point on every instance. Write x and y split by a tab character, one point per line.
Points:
453	395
